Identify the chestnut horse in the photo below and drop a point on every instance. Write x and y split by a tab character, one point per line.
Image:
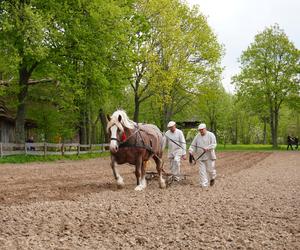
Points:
134	144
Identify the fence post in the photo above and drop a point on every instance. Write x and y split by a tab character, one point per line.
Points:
1	150
62	149
78	149
25	148
45	148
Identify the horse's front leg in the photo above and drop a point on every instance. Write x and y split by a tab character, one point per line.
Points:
118	177
140	173
159	168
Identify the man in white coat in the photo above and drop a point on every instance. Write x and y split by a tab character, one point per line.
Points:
175	141
205	142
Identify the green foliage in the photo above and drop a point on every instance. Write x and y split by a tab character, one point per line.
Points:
213	105
180	52
81	45
159	60
269	75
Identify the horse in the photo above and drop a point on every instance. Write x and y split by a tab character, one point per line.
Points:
135	144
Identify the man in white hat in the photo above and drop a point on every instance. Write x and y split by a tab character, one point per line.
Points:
205	142
175	140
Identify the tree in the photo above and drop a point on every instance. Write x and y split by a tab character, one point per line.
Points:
187	54
92	59
212	97
24	32
270	72
81	44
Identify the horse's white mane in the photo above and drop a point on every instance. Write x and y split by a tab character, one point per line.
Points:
125	121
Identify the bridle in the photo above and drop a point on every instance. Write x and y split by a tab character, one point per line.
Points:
124	137
118	140
114	139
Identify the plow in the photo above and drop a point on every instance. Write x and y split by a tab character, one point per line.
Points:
169	178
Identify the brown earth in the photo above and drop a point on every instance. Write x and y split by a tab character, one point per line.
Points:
254	204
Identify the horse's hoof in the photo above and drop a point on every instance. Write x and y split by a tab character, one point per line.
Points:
139	188
120	185
162	185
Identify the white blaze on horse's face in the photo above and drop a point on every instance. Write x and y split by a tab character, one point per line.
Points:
114	139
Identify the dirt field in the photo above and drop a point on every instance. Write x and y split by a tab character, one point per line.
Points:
255	204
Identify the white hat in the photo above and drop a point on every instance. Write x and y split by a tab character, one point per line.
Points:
171	124
201	126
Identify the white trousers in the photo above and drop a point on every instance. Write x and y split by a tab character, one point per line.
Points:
175	166
207	172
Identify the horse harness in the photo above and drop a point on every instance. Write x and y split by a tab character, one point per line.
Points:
124	142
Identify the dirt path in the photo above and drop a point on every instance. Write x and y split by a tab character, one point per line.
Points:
75	205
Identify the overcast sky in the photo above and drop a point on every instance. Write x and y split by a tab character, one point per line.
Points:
236	22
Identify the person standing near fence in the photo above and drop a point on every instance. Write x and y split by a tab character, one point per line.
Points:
175	141
205	142
290	142
30	140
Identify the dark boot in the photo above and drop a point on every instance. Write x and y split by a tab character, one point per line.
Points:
212	182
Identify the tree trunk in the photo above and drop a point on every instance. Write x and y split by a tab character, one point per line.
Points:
95	132
167	115
21	108
215	129
265	131
136	108
213	126
89	126
276	116
104	124
82	129
273	127
235	139
249	133
298	124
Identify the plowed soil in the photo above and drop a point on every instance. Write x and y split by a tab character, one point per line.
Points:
255	204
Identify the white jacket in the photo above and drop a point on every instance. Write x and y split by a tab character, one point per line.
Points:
177	137
206	141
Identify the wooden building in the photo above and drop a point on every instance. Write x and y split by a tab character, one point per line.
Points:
187	124
8	125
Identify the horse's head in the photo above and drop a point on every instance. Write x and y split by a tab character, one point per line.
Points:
116	126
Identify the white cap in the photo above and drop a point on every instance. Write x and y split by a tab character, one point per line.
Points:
171	124
201	126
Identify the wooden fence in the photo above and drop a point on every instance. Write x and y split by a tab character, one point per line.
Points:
50	148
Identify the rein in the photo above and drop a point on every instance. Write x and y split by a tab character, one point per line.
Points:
191	158
175	142
122	143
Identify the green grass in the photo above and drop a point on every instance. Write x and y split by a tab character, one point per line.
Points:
249	147
48	158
